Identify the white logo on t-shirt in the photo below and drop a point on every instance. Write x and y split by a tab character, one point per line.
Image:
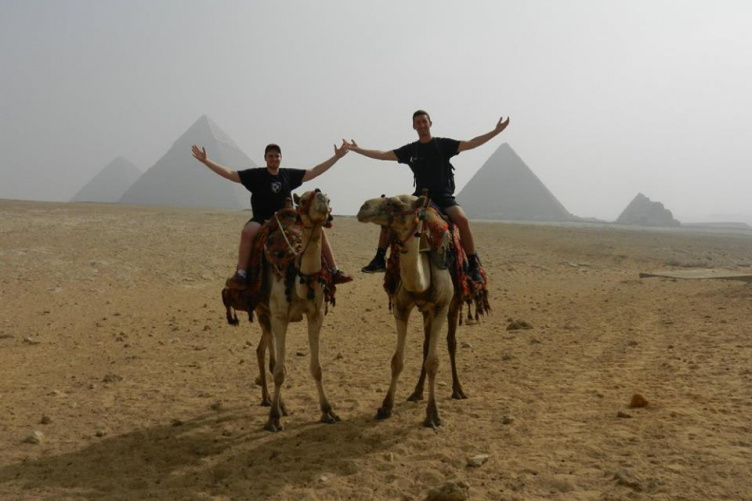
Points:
276	187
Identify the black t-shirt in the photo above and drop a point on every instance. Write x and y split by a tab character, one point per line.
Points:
268	192
430	165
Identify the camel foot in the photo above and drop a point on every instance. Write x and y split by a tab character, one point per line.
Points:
417	396
273	425
458	394
383	413
432	422
329	417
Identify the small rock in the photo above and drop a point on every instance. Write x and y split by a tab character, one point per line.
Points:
323	478
249	343
478	460
216	406
465	344
621	414
507	420
45	419
454	490
6	336
100	433
206	328
111	378
518	324
30	341
300	353
339	356
389	456
176	422
35	438
637	401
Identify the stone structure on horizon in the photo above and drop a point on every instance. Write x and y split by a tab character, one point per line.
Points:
109	185
177	179
504	188
642	211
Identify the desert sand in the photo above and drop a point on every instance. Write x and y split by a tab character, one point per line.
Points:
114	347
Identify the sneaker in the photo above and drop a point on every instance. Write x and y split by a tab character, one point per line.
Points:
473	269
340	277
475	275
377	265
237	282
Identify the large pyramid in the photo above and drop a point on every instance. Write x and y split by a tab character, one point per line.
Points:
178	179
505	188
110	184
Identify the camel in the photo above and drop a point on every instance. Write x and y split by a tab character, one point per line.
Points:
425	282
291	285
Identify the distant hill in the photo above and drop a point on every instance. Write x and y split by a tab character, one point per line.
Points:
642	211
177	179
110	183
505	188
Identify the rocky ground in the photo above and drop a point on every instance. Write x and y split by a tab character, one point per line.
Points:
121	381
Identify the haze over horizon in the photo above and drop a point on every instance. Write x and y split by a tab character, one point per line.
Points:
607	100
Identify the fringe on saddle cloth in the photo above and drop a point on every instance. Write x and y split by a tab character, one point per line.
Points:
445	253
276	246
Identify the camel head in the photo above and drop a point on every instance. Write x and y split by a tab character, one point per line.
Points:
396	212
313	208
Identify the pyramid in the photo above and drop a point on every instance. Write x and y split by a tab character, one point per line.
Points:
178	179
110	184
505	188
642	211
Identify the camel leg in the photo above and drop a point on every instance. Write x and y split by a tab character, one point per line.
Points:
314	330
401	315
264	345
279	333
436	320
417	394
453	319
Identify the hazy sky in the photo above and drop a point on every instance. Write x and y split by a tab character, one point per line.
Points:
606	99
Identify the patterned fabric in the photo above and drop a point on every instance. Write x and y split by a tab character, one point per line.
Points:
434	232
276	246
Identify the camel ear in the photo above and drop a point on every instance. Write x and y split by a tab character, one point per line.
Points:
420	202
296	198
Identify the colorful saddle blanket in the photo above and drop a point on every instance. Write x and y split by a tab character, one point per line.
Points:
276	246
442	241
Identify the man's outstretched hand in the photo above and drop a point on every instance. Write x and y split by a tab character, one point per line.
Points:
199	154
342	150
502	124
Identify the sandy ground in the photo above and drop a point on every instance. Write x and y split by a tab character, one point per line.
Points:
112	329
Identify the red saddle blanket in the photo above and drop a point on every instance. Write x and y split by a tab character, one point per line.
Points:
447	249
276	246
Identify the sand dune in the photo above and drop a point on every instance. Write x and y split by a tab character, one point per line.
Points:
111	326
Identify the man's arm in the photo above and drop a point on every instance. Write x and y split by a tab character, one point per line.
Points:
375	154
483	139
200	155
324	166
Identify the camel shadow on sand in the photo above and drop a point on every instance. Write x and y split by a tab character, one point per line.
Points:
208	456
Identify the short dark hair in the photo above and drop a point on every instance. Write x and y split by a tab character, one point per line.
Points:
421	112
272	147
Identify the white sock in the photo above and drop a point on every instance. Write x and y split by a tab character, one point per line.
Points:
242	273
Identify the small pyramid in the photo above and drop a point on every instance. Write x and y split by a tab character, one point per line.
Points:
110	184
178	179
505	188
642	211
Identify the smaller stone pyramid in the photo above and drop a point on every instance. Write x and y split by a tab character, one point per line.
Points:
642	211
178	179
110	184
505	188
